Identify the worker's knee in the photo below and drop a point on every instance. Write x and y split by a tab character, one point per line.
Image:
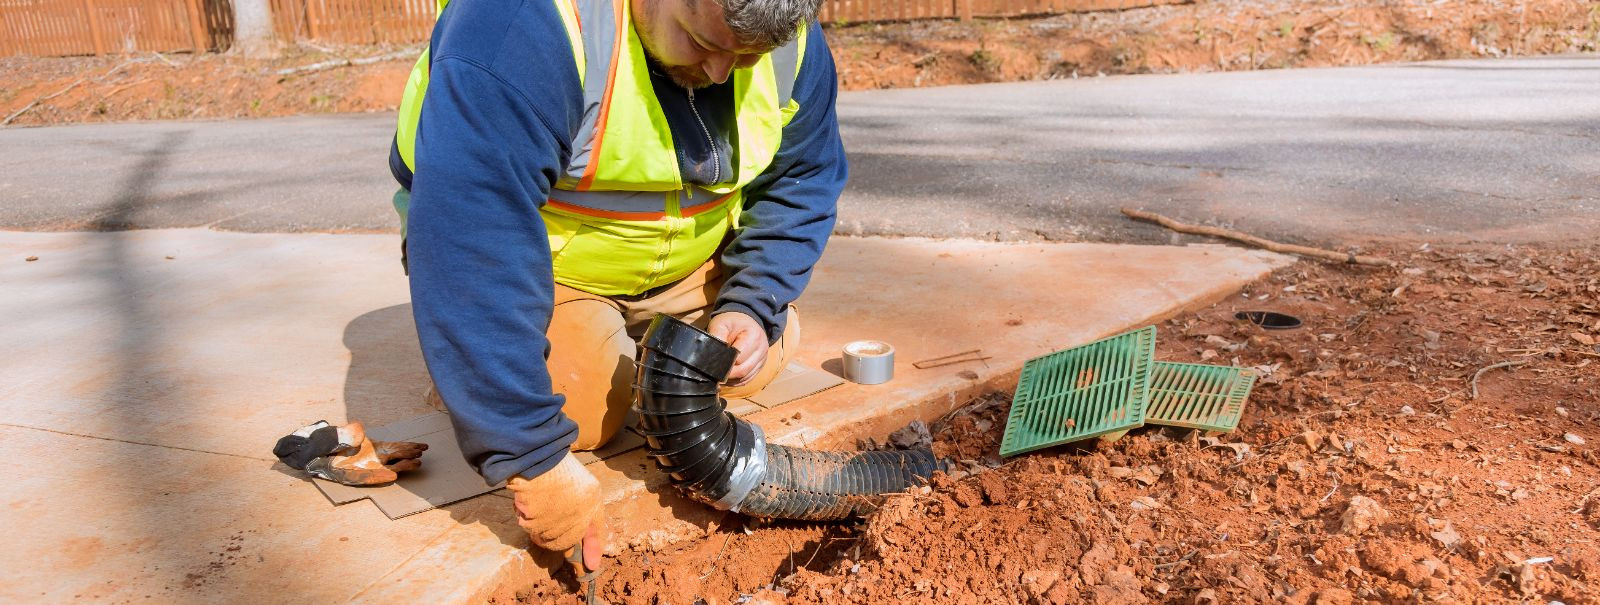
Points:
591	364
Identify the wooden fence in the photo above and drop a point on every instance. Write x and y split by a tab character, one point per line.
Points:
353	21
85	27
859	11
94	27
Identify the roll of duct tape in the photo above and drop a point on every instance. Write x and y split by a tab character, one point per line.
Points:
868	362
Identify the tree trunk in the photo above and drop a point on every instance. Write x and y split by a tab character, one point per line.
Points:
252	29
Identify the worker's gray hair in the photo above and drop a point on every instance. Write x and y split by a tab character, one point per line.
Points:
768	22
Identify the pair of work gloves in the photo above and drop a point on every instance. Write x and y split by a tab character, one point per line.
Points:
346	455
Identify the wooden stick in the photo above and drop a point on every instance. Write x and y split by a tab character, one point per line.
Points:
403	54
1244	238
1503	364
36	102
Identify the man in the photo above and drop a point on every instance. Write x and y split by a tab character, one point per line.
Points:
571	168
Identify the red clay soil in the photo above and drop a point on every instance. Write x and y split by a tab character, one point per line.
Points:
1366	469
1211	35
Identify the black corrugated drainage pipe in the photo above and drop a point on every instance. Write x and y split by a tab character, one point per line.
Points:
726	462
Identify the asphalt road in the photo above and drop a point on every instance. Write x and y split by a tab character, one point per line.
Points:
1504	150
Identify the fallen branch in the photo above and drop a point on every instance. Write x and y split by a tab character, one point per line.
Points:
1177	562
118	89
717	558
1245	238
342	62
1335	490
1503	364
99	78
36	102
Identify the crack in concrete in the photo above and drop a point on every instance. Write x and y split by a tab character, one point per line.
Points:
400	565
144	443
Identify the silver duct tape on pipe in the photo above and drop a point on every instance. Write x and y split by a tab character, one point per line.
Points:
747	472
868	362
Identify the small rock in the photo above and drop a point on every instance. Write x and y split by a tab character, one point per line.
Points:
1447	535
31	259
1144	503
1038	582
1298	467
1208	355
768	597
1406	410
796	416
1311	439
1148	474
1573	439
1360	515
1206	596
1458	444
913	435
171	257
1561	411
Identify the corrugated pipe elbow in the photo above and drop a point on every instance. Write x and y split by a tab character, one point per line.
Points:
726	462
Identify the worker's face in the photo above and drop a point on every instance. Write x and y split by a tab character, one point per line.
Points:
690	41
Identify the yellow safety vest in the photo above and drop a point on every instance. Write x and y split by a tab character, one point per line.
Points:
620	219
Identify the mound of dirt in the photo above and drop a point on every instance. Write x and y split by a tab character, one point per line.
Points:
1386	455
1210	35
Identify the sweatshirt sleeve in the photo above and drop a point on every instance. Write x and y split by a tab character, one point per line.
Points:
481	283
790	209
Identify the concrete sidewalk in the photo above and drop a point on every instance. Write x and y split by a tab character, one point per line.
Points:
150	372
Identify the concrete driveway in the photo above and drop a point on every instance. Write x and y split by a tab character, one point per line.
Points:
1496	150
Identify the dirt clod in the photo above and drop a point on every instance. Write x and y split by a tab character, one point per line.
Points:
1360	515
913	435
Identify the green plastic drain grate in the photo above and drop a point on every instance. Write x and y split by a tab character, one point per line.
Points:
1209	398
1087	391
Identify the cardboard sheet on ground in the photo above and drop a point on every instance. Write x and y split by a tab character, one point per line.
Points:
444	477
794	382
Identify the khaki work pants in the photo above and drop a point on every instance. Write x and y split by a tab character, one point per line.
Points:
593	342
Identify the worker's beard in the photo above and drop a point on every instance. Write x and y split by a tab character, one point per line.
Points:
688	76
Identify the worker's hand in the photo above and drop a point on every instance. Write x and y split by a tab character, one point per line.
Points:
561	509
345	454
745	334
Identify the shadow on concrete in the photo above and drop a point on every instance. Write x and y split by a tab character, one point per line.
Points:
834	366
139	379
386	383
387	377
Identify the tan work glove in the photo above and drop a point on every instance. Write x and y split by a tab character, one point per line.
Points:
345	454
561	509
